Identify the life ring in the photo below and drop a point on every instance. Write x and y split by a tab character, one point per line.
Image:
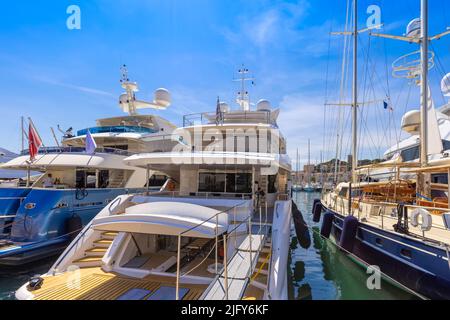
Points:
427	219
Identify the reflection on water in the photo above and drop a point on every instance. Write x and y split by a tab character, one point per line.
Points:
323	272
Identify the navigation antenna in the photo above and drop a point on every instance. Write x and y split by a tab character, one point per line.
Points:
130	104
243	98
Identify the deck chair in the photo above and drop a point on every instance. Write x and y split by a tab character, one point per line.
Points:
168	293
134	294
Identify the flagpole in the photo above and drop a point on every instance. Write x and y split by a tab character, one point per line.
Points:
23	141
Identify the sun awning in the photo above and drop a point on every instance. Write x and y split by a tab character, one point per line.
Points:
166	218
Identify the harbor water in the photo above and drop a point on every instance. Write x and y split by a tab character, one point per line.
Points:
321	272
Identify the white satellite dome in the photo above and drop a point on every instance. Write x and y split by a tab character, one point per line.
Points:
123	99
414	28
445	85
263	105
411	122
162	97
224	107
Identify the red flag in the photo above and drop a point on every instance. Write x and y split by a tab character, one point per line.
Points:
34	141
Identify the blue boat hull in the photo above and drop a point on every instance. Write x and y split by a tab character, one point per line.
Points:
40	227
419	266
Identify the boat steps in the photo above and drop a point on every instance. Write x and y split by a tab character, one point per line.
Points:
258	285
108	237
88	262
95	252
102	243
239	269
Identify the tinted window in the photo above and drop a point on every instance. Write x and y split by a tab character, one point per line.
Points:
411	154
103	179
211	182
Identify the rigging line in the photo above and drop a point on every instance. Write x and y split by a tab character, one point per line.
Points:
342	84
404	111
366	93
376	118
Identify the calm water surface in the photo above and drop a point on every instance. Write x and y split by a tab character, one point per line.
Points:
319	273
324	273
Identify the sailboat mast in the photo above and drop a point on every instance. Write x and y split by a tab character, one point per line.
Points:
424	85
355	92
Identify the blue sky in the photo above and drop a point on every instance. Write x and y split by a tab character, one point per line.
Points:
192	47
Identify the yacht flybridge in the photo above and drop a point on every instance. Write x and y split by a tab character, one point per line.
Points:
219	229
44	212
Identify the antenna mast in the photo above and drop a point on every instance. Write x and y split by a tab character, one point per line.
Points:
243	98
130	88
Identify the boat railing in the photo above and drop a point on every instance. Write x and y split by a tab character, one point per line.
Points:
202	195
59	150
222	117
226	236
388	211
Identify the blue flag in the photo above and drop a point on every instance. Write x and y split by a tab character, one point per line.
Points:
90	143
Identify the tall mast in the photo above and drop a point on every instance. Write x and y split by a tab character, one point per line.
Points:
355	92
424	84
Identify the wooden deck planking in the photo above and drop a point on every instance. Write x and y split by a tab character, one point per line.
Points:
98	285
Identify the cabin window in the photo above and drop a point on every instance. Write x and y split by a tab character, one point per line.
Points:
157	180
88	179
243	183
103	179
91	179
410	154
211	182
439	178
271	187
225	182
80	179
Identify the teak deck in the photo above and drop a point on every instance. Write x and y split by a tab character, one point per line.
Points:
95	284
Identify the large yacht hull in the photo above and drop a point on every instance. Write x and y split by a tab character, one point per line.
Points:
421	267
41	216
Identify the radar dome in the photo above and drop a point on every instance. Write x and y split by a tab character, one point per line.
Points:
411	122
123	99
445	85
263	105
414	28
224	107
162	97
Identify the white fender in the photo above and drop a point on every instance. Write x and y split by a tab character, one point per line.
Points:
427	220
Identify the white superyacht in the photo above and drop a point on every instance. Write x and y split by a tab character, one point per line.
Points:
218	230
